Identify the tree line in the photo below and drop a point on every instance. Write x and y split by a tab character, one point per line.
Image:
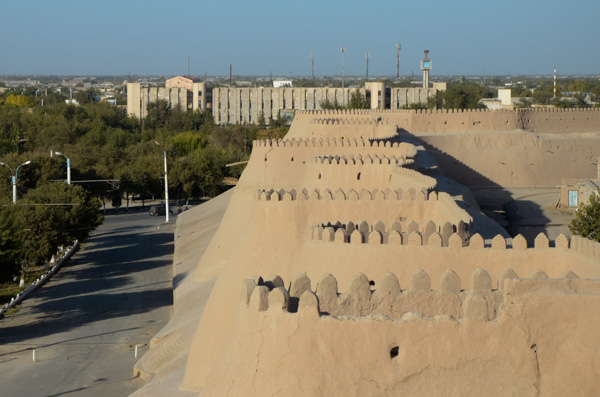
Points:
112	155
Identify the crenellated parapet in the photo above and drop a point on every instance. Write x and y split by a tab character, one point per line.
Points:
367	112
394	233
361	121
428	182
410	194
585	246
476	298
406	149
359	159
440	235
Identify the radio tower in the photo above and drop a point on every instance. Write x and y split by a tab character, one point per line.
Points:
367	56
555	82
343	50
312	61
398	47
189	67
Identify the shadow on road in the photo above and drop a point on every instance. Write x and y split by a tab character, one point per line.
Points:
111	277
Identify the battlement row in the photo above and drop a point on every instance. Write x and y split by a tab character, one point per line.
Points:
334	142
351	121
479	300
397	233
428	182
446	235
585	246
360	160
366	112
410	194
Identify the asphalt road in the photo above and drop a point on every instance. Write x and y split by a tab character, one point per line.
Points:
114	294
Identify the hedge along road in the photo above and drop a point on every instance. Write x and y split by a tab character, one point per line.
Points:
84	324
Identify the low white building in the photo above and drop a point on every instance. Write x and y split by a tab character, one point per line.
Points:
282	83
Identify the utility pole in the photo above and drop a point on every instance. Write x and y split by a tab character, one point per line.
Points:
398	47
312	60
367	56
343	50
555	82
166	190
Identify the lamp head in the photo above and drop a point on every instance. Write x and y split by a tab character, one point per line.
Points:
59	153
27	162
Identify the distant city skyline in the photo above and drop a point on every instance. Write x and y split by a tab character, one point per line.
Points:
265	37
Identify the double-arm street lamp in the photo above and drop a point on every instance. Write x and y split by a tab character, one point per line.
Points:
68	166
14	178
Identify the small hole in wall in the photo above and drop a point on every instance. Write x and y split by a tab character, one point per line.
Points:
394	352
319	176
292	159
358	177
371	283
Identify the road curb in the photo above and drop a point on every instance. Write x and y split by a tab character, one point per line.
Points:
40	281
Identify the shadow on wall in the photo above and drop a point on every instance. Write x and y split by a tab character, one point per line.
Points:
494	200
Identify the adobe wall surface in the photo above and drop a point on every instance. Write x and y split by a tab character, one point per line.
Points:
323	201
514	158
469	348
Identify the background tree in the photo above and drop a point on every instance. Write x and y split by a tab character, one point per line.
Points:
19	101
462	96
358	101
9	241
85	96
587	219
331	105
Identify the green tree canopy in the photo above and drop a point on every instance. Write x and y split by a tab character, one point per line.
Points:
587	220
358	101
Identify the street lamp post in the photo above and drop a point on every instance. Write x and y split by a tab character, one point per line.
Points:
166	190
14	178
68	167
166	186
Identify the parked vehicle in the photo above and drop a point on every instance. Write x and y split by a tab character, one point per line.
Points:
157	210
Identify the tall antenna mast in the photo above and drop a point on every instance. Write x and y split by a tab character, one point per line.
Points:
367	56
312	60
555	82
343	50
189	66
398	47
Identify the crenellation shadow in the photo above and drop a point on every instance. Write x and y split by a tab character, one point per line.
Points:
494	200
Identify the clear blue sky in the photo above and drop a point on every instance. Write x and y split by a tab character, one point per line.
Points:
465	37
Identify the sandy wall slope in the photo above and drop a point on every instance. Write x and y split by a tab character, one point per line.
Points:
164	363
